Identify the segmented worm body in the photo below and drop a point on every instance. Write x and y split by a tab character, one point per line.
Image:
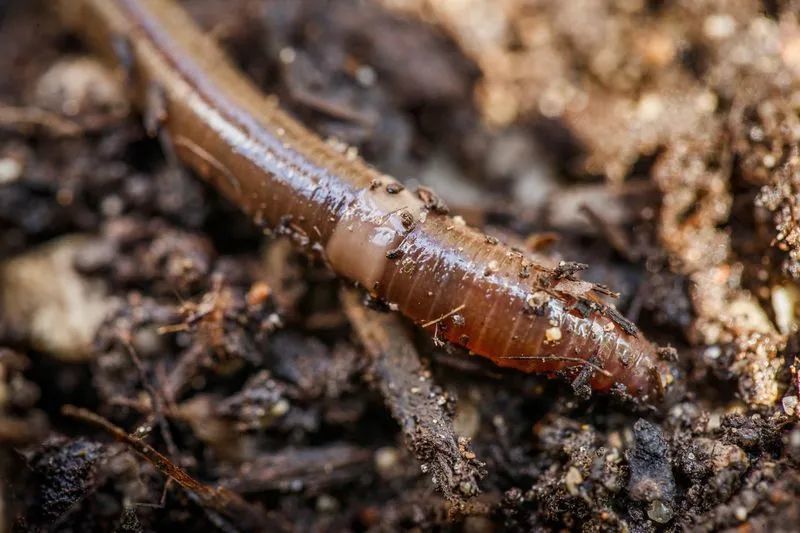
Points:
400	245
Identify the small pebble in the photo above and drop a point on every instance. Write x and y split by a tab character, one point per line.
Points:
327	504
650	107
80	85
280	408
719	26
10	170
552	334
537	299
789	405
365	75
659	512
112	206
572	480
784	300
386	459
287	55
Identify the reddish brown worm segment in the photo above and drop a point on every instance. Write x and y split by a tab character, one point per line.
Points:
401	246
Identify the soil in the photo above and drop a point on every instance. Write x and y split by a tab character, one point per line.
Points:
224	381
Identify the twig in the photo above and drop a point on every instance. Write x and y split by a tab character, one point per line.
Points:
156	396
613	234
414	401
220	499
448	314
24	119
316	468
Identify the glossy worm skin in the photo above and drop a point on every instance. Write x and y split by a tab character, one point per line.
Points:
400	245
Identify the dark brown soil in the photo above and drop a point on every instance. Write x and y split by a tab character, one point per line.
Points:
230	383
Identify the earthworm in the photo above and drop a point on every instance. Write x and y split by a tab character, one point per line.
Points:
401	246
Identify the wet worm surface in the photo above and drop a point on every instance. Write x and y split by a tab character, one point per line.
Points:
401	245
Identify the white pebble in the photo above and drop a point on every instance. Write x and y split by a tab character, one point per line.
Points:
789	404
10	170
719	26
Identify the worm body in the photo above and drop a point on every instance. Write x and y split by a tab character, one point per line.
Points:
400	245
